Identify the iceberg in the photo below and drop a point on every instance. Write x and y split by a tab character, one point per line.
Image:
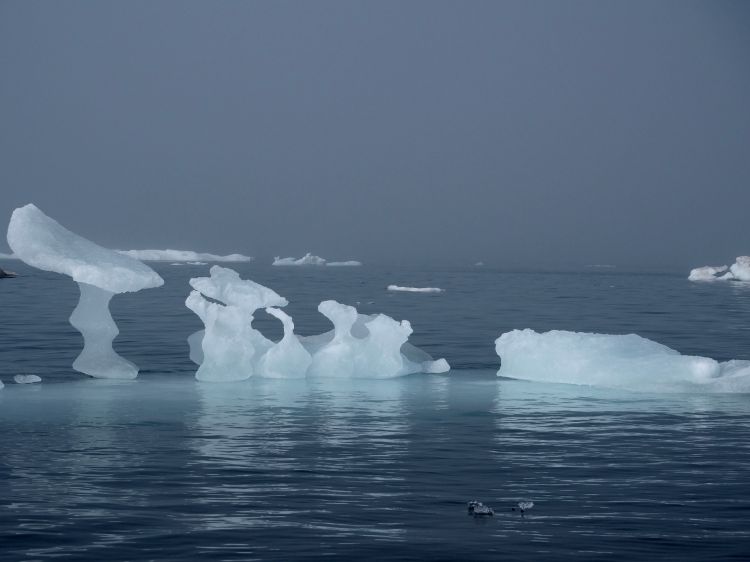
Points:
230	348
307	259
415	289
738	271
182	256
627	362
43	243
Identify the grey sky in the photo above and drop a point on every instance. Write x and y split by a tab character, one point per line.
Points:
524	133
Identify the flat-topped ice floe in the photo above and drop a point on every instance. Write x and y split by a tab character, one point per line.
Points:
309	259
348	263
231	349
399	288
183	256
627	362
738	271
43	243
27	379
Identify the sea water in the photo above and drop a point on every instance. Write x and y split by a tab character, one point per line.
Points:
164	467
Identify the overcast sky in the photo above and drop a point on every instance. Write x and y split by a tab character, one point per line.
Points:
522	133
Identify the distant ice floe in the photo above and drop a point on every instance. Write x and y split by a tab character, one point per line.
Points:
27	379
415	289
4	256
739	271
627	362
45	244
309	259
197	258
479	264
348	263
231	349
189	263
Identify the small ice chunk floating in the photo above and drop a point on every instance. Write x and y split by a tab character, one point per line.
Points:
42	242
478	509
627	362
738	271
230	349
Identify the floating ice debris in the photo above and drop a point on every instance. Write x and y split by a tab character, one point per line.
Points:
359	346
100	273
479	264
27	379
4	256
183	256
189	263
627	362
738	271
1	384
478	509
523	507
415	289
307	259
7	274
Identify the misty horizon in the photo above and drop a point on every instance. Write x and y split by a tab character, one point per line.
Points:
524	135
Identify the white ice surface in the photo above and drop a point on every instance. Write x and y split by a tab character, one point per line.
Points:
628	362
415	289
182	256
44	243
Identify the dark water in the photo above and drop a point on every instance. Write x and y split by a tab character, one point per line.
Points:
165	468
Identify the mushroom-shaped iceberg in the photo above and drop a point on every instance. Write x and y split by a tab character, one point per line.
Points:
43	243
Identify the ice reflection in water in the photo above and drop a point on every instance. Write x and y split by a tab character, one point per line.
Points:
291	450
167	468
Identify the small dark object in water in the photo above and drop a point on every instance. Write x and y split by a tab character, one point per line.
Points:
4	274
478	509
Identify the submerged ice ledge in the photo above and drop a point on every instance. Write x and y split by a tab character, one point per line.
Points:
183	256
627	362
230	348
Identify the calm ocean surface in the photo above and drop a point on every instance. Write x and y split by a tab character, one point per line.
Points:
166	468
